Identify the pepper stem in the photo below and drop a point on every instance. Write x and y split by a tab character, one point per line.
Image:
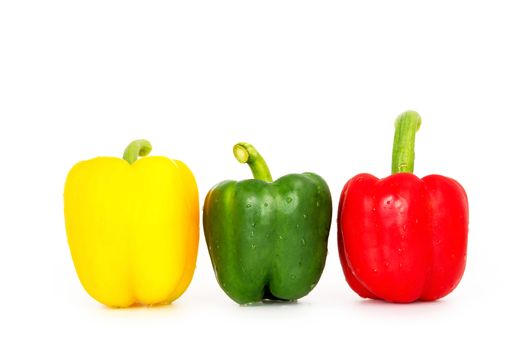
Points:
246	153
135	149
406	126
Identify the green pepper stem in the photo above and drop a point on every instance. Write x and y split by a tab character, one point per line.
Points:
246	153
406	126
135	149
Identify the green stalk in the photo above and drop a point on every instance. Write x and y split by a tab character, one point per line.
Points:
406	126
246	153
135	149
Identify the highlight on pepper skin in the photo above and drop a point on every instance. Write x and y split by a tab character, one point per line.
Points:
132	227
403	238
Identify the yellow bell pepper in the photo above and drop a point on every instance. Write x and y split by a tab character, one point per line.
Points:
132	227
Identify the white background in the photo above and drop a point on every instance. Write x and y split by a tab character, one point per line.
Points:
315	86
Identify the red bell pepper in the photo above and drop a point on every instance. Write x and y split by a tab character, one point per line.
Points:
403	238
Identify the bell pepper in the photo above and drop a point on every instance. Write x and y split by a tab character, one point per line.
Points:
403	238
267	239
132	227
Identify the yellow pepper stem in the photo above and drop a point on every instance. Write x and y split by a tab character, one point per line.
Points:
137	148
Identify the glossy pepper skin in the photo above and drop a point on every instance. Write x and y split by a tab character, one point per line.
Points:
267	239
403	238
132	227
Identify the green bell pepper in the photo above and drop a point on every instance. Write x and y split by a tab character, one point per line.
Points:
267	239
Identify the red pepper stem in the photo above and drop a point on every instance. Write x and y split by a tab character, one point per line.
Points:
135	149
246	153
406	126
